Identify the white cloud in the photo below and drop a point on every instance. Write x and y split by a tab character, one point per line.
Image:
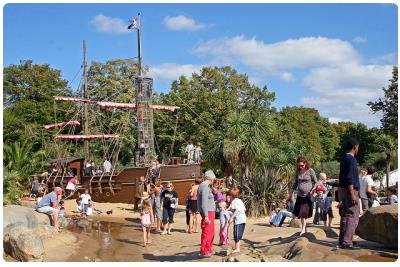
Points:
180	23
389	58
344	91
288	77
360	39
292	53
172	71
276	58
109	25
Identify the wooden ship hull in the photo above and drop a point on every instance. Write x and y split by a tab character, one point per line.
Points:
123	187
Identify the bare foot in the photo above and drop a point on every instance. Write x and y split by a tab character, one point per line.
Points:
302	233
235	251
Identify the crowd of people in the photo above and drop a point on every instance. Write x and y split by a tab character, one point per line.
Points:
208	200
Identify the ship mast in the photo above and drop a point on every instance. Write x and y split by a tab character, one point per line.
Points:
85	96
144	112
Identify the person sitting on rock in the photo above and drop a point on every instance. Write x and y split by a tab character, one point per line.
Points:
49	205
281	214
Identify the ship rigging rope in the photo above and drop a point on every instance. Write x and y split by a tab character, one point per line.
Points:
157	76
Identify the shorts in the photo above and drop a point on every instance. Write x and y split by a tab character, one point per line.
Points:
168	215
47	210
325	214
193	206
238	230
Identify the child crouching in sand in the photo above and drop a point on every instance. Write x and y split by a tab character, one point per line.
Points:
147	220
238	217
224	217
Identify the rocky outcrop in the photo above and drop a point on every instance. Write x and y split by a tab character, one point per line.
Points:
14	214
22	243
380	225
295	223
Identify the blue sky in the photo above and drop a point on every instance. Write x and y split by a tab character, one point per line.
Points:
333	57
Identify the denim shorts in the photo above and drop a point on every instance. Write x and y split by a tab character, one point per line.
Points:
238	230
168	215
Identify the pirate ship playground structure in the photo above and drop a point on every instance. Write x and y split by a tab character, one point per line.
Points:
124	186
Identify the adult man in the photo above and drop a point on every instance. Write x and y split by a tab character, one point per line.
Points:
206	207
349	185
49	205
106	166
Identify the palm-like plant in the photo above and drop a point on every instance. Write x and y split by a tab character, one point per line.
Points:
18	158
386	145
260	189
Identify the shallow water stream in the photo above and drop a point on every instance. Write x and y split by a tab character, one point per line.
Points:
122	241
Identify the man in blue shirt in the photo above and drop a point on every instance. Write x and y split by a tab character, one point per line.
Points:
49	205
349	186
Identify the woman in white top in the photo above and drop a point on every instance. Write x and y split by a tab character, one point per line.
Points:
366	191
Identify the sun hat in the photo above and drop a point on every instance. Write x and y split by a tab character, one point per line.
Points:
320	188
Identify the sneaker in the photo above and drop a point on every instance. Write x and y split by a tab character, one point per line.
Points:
169	233
163	233
351	247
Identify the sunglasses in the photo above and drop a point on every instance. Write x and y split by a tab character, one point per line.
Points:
301	166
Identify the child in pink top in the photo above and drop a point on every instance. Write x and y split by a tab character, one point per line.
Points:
147	220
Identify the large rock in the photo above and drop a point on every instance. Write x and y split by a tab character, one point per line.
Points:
14	214
239	257
380	225
295	223
22	243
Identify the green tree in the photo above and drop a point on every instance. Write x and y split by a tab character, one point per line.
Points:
306	127
388	106
386	145
206	100
28	101
365	136
113	81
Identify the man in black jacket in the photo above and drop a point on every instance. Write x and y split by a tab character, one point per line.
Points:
349	186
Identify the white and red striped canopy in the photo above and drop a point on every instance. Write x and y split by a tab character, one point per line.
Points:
61	124
109	104
86	137
71	99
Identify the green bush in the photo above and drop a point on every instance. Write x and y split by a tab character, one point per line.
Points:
260	189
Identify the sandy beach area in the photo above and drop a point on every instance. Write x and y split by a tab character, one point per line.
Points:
118	237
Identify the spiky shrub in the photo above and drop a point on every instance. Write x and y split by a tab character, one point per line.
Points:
260	189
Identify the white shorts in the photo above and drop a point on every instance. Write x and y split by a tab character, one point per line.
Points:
70	186
47	209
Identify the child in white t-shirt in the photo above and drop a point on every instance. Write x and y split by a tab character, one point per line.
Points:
85	201
238	217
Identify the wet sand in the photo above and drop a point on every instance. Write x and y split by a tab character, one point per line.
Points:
118	237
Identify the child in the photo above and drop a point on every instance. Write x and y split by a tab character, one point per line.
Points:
85	201
224	217
61	208
78	205
90	209
147	219
321	202
35	187
238	217
71	185
197	153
